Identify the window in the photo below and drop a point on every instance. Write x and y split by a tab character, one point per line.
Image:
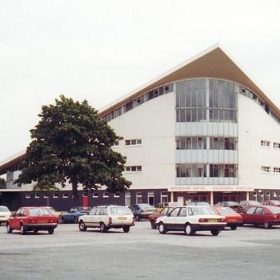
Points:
95	195
37	195
276	170
191	170
117	194
136	168
55	195
28	195
65	195
276	145
223	143
190	143
265	169
265	143
133	142
105	194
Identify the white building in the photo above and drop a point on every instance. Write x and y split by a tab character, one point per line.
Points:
204	131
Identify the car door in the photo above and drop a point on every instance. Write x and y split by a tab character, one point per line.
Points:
249	215
259	216
18	217
172	220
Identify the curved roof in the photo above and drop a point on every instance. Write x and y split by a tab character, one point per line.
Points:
212	63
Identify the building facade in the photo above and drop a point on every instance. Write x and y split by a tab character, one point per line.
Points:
201	132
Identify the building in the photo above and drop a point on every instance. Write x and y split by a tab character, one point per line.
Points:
204	131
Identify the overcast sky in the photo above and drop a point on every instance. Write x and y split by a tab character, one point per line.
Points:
102	50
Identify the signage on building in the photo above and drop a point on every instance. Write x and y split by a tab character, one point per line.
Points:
212	188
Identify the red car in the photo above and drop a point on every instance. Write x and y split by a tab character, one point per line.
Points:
264	215
32	219
233	219
164	211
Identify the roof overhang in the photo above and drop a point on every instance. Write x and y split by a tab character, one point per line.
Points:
212	63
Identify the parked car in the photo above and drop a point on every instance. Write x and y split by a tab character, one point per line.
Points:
142	210
191	219
232	204
5	214
54	212
233	219
32	219
161	205
73	215
262	215
164	211
245	204
106	217
271	202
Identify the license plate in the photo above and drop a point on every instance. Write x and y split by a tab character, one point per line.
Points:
212	220
122	218
2	216
43	222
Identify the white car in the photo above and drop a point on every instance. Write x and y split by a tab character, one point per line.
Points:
191	219
106	217
5	214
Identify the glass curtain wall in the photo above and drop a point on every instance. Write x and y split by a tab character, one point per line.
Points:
206	143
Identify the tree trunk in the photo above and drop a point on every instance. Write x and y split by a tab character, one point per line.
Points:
76	201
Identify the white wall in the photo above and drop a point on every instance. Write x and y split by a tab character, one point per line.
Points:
154	123
256	125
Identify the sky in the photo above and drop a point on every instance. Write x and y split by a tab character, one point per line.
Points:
102	50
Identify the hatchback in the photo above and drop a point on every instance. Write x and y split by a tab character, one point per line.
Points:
262	215
32	219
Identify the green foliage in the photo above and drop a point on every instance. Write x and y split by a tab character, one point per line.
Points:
71	143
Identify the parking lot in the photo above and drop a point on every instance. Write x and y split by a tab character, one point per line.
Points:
143	253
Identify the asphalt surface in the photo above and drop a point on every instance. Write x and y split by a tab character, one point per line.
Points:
247	253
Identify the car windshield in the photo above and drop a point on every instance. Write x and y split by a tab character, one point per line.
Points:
4	209
203	210
39	212
120	211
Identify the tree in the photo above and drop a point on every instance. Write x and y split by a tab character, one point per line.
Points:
71	143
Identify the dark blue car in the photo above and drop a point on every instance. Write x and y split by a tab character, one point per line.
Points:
74	213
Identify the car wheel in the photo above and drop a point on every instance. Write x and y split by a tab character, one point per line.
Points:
82	226
233	227
153	225
8	228
51	230
22	229
215	232
63	220
126	229
267	225
189	229
75	220
161	228
103	228
138	218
